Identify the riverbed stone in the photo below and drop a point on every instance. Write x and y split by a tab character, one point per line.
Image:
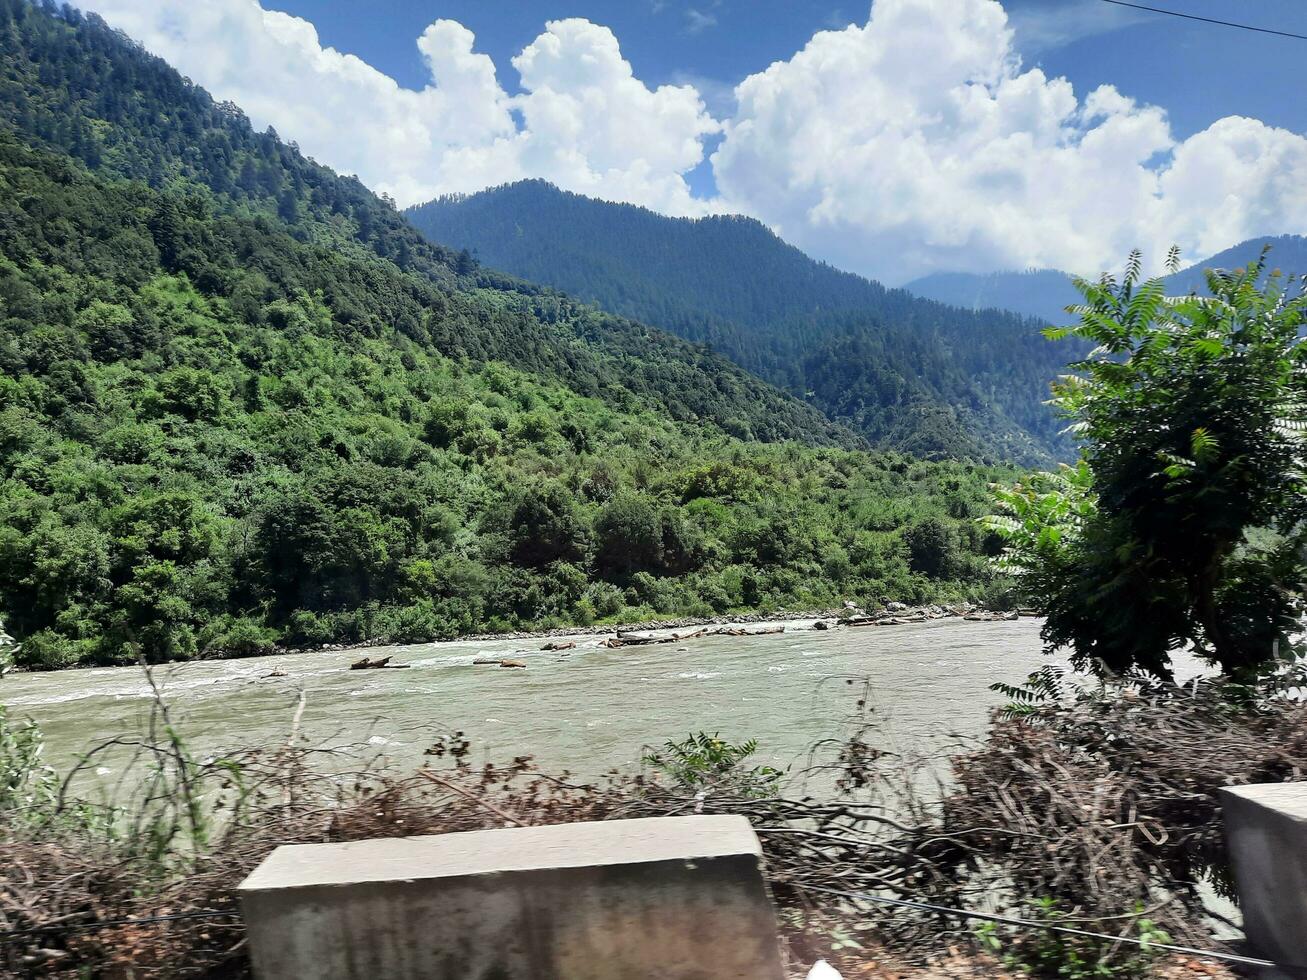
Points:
1266	832
665	898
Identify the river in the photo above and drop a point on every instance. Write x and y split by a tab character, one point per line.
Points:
586	710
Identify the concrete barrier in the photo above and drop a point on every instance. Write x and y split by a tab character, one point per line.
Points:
1266	830
673	898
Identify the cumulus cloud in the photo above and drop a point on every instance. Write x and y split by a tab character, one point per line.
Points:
911	142
918	141
591	126
582	120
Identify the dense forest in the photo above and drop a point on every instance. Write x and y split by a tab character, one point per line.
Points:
73	85
232	418
1045	293
905	372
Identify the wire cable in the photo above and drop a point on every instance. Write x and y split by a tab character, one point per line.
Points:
1207	20
1028	924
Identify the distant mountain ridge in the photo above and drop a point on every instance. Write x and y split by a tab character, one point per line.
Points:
1045	293
909	374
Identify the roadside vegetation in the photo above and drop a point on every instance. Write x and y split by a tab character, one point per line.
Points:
1091	802
1185	521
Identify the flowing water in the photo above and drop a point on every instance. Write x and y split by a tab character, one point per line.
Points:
586	710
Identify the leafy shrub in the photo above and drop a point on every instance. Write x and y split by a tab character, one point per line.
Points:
1049	953
240	636
1191	414
709	763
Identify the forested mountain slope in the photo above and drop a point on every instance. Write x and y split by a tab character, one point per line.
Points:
225	425
72	84
907	373
1045	293
1042	293
1288	254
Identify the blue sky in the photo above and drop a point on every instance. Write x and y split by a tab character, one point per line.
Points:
892	139
1198	72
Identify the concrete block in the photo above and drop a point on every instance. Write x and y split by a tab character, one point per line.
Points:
671	898
1266	831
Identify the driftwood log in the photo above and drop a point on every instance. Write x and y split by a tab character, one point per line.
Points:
369	664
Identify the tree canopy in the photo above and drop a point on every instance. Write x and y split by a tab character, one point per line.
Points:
1186	523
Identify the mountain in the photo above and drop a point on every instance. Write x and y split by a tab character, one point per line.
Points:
1040	293
74	85
241	412
907	373
1045	293
1288	253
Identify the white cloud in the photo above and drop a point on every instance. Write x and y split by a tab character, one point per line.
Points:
593	127
1236	179
918	142
912	142
697	21
587	123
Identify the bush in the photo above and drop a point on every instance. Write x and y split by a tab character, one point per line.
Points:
240	636
47	650
628	535
606	599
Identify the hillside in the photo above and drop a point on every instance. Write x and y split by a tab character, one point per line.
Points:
1045	293
907	373
1040	293
75	86
1288	254
225	425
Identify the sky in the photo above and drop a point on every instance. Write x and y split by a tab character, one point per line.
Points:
893	139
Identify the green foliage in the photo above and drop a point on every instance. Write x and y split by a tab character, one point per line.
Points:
1046	953
1038	519
1042	688
244	404
910	374
1186	521
27	786
708	763
933	548
8	648
307	469
74	85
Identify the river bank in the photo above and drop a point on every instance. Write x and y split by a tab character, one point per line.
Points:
892	614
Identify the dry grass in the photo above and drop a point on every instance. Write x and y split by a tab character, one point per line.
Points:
1105	805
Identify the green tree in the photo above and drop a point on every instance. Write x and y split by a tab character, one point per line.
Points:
933	548
542	526
628	535
1193	416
